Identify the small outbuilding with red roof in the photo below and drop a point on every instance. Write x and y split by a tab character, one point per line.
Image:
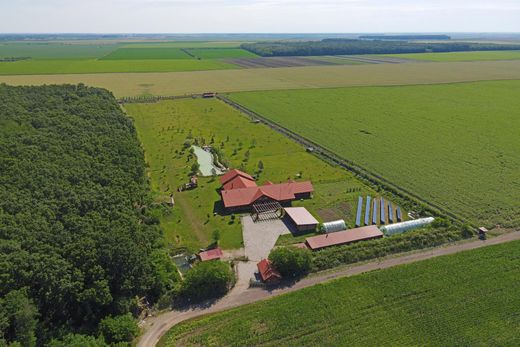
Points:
211	254
268	274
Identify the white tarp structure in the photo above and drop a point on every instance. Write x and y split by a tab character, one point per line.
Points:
337	225
398	228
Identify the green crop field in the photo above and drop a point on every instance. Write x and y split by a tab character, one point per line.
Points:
79	66
461	56
49	50
455	145
152	53
133	84
184	44
218	53
163	128
456	300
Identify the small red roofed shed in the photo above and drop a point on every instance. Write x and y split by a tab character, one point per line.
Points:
267	273
212	254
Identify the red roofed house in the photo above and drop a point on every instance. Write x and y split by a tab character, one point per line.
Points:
239	191
211	254
267	273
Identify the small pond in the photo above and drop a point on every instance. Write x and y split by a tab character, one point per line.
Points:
205	160
182	263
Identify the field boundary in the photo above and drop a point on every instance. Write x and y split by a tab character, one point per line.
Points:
329	156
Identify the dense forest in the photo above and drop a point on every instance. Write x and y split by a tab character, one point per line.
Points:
405	37
77	243
348	46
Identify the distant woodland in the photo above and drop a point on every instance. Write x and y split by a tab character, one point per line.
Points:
77	243
348	47
405	37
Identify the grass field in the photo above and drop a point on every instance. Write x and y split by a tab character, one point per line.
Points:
456	300
461	56
152	53
50	50
185	44
454	144
163	127
79	66
178	83
218	53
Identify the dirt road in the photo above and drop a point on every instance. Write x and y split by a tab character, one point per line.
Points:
156	327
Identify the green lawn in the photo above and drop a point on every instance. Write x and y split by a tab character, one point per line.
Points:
456	300
55	50
461	56
452	144
152	53
79	66
218	53
163	127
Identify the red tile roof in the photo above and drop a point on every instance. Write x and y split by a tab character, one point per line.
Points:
344	237
278	192
228	176
238	182
211	254
267	273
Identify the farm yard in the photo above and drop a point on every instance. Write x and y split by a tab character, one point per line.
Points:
163	129
179	83
457	150
451	300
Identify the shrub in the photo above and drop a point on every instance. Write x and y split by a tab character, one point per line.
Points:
207	280
78	340
291	261
119	329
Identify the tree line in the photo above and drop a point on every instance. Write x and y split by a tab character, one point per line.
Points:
352	46
78	245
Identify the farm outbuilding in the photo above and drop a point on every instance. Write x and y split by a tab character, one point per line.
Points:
301	218
337	225
267	273
212	254
343	237
398	228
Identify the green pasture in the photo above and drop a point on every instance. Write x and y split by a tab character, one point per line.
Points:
163	128
460	56
152	53
55	50
79	66
455	145
219	53
456	300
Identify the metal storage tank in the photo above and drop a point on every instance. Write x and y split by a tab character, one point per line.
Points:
337	225
398	228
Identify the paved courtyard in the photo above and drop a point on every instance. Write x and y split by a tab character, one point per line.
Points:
260	237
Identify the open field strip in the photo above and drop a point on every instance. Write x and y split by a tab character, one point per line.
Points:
164	127
457	150
88	66
459	56
219	53
178	83
400	305
147	53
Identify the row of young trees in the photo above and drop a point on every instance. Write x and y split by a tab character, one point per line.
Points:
349	46
77	243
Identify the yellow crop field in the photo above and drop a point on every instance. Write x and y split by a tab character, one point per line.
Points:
178	83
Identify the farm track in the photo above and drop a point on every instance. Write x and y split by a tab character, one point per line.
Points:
330	156
156	327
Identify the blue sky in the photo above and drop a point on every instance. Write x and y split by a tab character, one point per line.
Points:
204	16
